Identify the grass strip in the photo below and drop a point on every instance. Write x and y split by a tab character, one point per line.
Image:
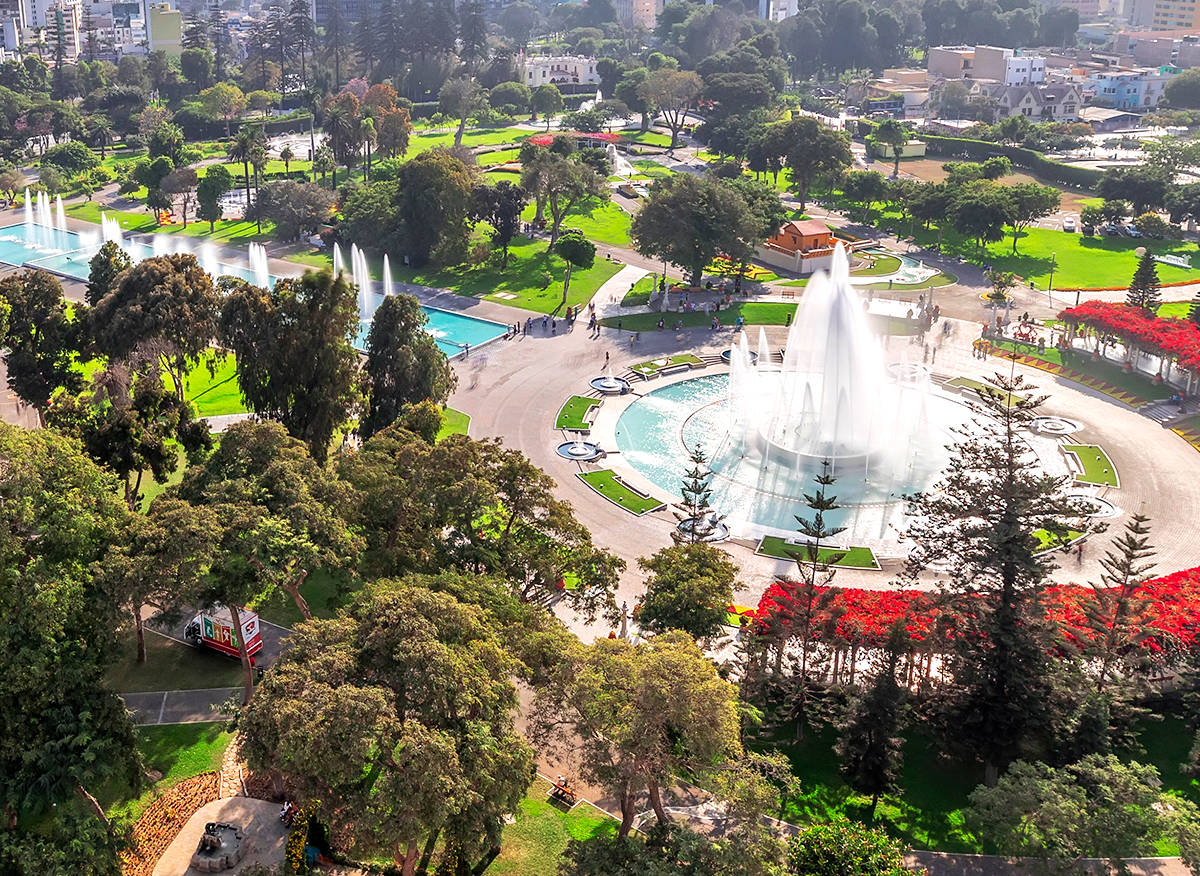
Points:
1098	469
453	423
849	558
572	416
609	485
649	369
534	843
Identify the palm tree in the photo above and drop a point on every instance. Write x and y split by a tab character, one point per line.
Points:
339	127
286	155
310	99
101	133
242	147
366	133
258	158
323	162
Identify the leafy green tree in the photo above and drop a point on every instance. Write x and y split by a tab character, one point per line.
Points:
661	850
182	181
412	737
548	101
980	211
294	346
1030	202
297	209
866	187
461	98
812	150
294	504
869	743
627	92
1144	288
980	526
500	206
516	95
1184	90
895	135
564	184
1091	216
578	252
434	197
159	560
165	305
845	849
104	268
63	732
690	588
1098	807
1145	186
223	101
639	716
518	21
673	93
214	185
130	423
41	339
688	221
404	364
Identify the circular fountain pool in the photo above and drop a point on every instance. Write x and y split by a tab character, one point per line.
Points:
757	491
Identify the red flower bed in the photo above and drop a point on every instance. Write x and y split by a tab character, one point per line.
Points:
864	617
545	139
1176	338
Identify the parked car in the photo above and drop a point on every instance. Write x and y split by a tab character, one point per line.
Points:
1069	224
627	190
1132	231
1110	230
1088	229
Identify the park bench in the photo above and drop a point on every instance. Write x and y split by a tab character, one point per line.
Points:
674	369
562	793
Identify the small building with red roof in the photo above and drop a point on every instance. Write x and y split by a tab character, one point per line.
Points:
801	246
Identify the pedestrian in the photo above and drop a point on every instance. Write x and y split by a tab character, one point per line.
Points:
788	322
545	319
1079	554
606	358
466	351
554	326
618	326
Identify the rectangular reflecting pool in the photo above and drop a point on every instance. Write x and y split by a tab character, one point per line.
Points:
67	254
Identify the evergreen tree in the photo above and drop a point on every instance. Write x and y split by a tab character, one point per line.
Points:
337	42
472	34
389	36
366	42
303	33
979	525
1119	617
195	32
1144	288
58	38
1194	310
103	270
870	745
696	489
219	30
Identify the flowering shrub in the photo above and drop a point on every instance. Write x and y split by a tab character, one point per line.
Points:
294	862
864	617
1178	339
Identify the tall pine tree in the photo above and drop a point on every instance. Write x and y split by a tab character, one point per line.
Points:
1144	287
695	491
870	745
979	526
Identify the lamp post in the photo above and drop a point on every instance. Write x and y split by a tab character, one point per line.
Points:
1050	285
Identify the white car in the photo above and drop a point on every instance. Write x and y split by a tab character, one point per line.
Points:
1069	224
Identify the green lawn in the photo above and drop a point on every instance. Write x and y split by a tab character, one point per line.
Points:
500	156
752	313
320	591
602	223
1175	309
227	233
178	751
652	367
974	387
215	394
939	279
422	142
152	488
574	411
1131	382
1080	261
533	280
453	423
854	557
169	665
1047	540
884	265
606	484
649	138
533	845
1098	469
651	169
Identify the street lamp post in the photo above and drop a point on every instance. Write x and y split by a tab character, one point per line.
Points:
1050	285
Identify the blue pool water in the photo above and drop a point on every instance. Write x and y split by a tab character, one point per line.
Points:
67	253
656	432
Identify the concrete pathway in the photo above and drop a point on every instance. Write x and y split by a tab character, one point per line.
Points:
263	833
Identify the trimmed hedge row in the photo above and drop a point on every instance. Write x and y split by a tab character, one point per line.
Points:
1080	177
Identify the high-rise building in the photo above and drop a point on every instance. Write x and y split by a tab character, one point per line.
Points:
164	29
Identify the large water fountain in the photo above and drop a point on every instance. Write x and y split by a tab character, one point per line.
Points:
769	426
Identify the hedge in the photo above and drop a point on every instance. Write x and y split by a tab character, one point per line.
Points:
1080	177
